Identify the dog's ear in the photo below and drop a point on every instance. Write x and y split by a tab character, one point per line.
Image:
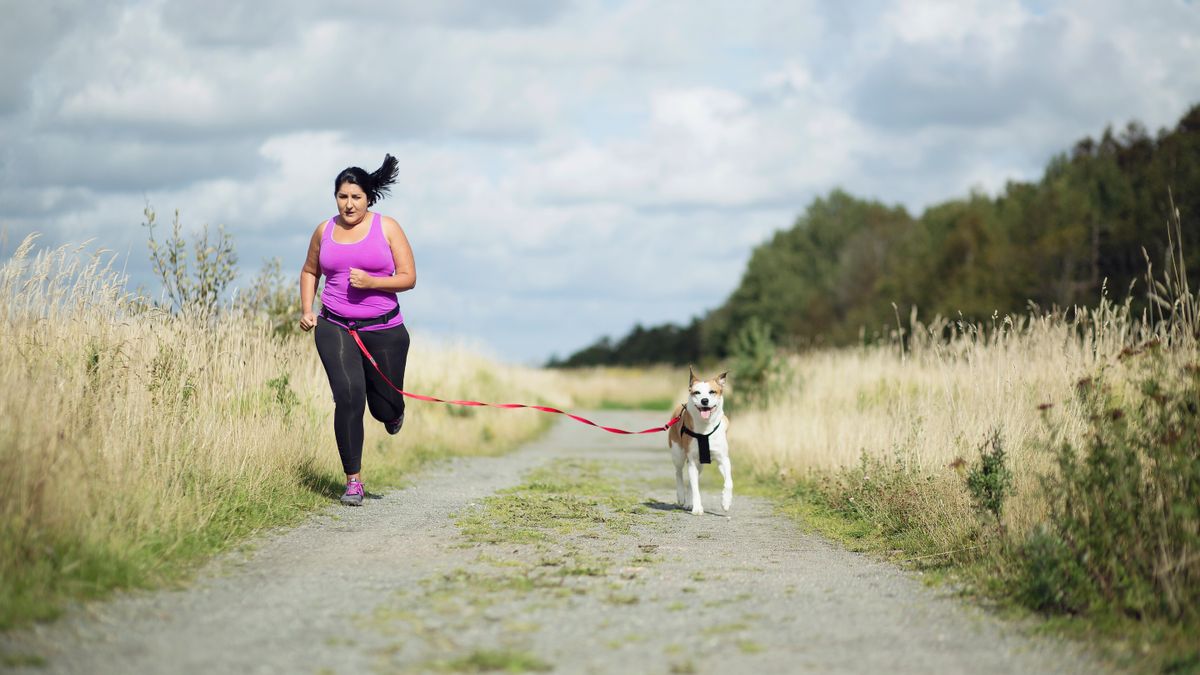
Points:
692	379
721	379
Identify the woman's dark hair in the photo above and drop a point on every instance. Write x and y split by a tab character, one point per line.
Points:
376	184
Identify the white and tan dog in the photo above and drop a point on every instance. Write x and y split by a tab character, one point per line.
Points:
698	437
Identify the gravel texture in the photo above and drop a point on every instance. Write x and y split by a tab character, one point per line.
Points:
398	586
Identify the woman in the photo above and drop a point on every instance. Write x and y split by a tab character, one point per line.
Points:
366	261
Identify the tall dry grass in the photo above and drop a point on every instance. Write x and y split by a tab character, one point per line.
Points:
937	403
1096	413
917	410
603	387
134	441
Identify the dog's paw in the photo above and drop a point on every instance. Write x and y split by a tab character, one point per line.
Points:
726	503
698	511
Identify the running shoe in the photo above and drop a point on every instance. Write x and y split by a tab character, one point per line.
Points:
393	427
354	494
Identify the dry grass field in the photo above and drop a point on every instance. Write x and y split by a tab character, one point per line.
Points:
643	388
931	407
136	441
936	404
1051	458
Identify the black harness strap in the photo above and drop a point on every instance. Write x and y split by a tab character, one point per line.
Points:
705	456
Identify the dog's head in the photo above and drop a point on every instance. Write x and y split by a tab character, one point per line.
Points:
706	397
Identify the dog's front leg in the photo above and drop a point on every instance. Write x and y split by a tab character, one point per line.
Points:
677	456
693	470
726	473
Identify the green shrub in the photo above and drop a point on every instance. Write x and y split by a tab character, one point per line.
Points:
990	481
283	394
1124	530
1052	580
893	504
273	297
201	285
757	368
879	492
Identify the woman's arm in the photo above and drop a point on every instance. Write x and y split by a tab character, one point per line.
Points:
402	256
309	275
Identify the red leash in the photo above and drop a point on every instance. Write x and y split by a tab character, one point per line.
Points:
542	408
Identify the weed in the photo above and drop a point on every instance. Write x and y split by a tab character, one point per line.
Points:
623	599
990	481
339	641
893	502
750	647
726	628
1125	524
683	667
282	393
22	661
1183	663
518	626
502	660
567	496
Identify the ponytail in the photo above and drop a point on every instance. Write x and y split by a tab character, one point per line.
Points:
376	185
382	179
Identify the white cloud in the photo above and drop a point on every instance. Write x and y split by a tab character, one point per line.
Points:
563	165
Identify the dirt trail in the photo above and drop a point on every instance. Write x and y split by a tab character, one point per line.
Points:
564	556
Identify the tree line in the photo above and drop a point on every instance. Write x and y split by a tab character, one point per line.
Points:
850	268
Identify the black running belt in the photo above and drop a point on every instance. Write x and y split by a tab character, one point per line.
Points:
705	456
354	324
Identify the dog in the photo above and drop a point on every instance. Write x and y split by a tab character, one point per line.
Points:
698	438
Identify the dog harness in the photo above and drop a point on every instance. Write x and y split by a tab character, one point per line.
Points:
705	456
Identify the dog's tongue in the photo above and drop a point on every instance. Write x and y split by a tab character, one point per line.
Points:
705	413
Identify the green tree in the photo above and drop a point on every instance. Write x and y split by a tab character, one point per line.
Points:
1055	242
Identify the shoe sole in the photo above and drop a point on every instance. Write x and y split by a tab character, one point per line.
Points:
356	500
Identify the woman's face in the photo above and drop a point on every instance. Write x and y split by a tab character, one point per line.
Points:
352	203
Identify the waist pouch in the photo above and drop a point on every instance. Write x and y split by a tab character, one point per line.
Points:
355	324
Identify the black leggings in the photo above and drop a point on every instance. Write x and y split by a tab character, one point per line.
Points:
357	385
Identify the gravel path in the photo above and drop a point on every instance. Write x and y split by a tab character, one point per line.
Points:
578	567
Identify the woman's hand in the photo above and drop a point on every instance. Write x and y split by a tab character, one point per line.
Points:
360	279
307	321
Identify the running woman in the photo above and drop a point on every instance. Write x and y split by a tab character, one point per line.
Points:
366	260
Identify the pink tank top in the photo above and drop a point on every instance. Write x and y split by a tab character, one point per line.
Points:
372	255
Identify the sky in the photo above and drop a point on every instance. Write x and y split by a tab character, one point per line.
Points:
568	169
